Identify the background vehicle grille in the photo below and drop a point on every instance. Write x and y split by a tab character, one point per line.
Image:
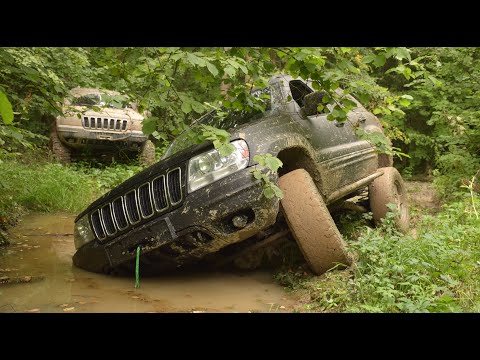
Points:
105	123
159	196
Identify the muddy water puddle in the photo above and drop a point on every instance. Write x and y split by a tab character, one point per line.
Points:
41	278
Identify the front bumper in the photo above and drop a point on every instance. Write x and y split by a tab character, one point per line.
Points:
78	137
208	211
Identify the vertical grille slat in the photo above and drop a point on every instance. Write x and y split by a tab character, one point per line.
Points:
159	193
131	207
145	200
97	225
119	214
105	123
108	220
174	186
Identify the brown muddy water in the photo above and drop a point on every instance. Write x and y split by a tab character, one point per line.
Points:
41	257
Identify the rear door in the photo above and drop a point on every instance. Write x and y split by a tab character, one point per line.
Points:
343	157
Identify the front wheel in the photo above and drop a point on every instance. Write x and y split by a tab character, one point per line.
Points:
147	154
60	151
310	222
389	188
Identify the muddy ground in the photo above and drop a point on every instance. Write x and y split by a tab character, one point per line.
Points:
37	275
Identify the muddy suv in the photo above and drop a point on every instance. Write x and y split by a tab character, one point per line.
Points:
102	121
196	205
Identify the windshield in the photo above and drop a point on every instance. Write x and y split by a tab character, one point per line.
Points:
111	101
215	118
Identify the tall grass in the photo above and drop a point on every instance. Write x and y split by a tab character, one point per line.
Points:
50	187
436	270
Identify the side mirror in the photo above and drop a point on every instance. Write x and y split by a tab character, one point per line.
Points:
311	101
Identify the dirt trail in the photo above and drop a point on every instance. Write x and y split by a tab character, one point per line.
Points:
421	194
39	260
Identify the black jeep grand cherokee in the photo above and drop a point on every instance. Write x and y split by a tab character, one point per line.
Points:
195	203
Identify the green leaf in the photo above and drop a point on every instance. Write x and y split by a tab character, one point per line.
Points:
149	125
197	107
186	107
230	70
408	97
257	174
6	109
379	60
273	163
278	192
269	192
226	149
243	68
195	60
260	159
212	68
368	59
402	53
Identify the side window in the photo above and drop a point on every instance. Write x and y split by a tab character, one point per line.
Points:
299	89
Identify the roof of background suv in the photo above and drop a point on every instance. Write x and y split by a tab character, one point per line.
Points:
78	91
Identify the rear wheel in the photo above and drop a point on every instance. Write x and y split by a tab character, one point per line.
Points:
389	188
60	151
147	154
311	223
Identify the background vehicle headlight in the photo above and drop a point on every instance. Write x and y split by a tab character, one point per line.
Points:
82	233
208	167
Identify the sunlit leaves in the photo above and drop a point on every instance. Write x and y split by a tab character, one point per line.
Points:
6	111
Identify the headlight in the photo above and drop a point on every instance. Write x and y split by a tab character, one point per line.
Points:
82	233
208	167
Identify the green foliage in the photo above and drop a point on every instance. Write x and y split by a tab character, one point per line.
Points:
435	271
50	187
6	111
220	139
268	168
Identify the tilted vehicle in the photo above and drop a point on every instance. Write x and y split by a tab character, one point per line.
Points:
103	121
195	204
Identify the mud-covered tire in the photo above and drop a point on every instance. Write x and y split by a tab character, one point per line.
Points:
147	153
389	188
385	160
60	151
310	222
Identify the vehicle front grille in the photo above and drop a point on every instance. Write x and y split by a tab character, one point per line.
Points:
157	196
98	123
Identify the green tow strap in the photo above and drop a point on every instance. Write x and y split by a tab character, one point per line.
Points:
137	269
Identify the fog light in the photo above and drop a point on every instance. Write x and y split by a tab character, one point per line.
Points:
239	221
